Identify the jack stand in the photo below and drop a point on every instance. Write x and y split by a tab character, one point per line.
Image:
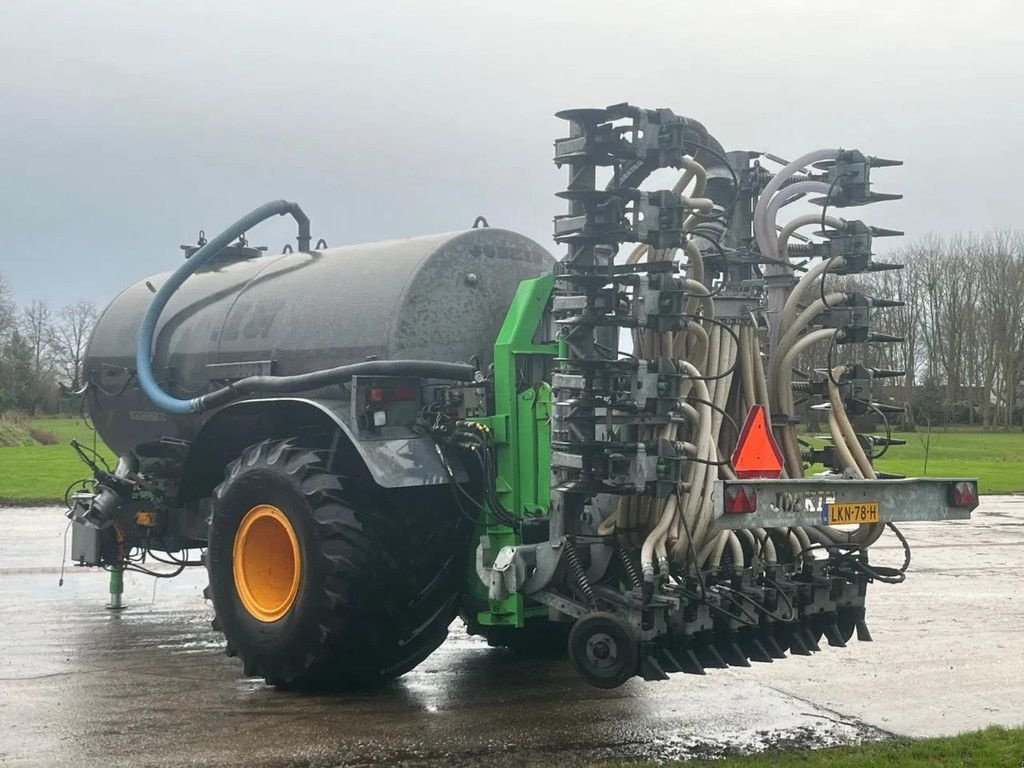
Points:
116	588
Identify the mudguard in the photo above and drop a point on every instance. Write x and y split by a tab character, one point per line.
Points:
396	456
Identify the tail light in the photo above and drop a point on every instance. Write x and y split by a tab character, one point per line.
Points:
402	393
740	499
964	494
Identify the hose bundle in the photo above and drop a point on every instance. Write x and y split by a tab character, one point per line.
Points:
725	376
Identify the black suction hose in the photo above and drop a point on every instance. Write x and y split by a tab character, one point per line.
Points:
425	369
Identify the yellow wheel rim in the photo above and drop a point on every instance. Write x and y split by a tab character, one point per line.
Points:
267	563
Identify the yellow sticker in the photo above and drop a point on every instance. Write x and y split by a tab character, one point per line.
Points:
852	513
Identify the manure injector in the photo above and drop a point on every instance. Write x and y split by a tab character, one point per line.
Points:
365	442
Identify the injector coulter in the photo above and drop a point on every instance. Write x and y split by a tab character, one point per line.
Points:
361	444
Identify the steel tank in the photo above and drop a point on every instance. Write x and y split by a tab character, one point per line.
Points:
439	297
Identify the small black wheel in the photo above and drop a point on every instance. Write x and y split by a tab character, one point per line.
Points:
604	650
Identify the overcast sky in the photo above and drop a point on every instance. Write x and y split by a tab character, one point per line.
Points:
125	127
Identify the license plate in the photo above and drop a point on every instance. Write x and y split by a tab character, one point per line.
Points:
851	513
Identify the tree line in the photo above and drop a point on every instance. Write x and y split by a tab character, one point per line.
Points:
961	322
42	349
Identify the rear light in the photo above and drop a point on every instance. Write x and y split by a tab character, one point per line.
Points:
964	494
403	393
740	499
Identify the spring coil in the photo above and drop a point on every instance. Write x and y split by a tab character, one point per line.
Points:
630	568
573	558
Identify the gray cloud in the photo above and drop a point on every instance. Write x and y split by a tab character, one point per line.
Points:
126	127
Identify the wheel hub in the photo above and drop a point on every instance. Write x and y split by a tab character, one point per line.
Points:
267	563
602	651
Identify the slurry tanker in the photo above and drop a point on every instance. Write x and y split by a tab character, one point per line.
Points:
600	452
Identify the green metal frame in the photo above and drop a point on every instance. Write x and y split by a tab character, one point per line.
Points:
522	437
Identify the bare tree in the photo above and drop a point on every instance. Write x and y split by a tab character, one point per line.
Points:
904	286
36	322
70	337
8	310
36	329
1000	323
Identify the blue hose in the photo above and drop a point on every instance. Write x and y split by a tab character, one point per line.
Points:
143	362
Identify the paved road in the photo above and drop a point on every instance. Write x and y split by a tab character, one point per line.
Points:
80	685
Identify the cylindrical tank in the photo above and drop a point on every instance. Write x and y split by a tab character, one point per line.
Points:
439	297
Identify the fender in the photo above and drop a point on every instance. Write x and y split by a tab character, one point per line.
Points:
405	460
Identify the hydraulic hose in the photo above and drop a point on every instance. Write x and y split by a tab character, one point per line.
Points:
305	381
425	369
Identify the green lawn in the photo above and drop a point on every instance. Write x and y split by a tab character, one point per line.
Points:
995	458
990	748
36	472
42	472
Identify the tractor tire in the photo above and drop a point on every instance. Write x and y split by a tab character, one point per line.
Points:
315	588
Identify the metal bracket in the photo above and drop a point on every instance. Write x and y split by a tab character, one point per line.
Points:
786	503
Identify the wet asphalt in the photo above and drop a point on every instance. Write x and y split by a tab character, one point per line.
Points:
150	685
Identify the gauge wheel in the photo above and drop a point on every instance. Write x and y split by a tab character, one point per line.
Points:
604	650
314	589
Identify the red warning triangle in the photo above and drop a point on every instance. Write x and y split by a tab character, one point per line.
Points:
757	454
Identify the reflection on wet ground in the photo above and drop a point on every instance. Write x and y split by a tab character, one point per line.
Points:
150	685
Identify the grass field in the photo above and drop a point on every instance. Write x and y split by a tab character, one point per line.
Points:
33	472
990	748
41	473
995	458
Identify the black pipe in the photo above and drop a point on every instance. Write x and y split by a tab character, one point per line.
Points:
426	369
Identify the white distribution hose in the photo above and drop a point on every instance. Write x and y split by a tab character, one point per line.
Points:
782	395
704	294
805	221
806	283
656	538
766	238
792	451
724	373
864	534
786	196
694	170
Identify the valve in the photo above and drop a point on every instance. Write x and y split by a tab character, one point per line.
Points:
857	387
853	244
849	175
854	320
